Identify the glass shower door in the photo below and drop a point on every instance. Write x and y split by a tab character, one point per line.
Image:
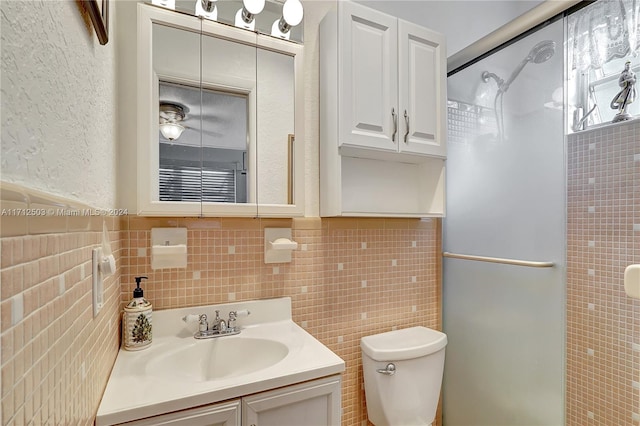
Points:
506	199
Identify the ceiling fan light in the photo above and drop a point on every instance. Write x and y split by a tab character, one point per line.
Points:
171	131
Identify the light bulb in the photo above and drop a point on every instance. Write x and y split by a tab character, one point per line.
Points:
253	6
171	131
207	9
245	17
292	12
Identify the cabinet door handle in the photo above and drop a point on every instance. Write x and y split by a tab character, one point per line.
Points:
406	119
395	124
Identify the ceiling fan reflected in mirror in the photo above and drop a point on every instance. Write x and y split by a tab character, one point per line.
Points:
171	115
174	121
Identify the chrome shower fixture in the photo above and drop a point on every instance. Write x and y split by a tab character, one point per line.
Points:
540	53
486	75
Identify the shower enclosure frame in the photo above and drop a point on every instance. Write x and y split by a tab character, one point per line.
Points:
560	264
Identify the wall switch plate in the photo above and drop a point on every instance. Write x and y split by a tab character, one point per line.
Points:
97	281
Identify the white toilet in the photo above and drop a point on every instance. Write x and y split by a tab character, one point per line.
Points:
403	375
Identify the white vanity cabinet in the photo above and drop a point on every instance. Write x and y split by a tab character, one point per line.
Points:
391	81
223	414
313	403
382	115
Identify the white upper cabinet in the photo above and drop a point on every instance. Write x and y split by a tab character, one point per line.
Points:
391	83
368	78
382	115
422	95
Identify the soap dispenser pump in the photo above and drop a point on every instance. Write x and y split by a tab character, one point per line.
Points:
136	321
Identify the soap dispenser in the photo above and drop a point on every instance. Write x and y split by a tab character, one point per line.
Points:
136	321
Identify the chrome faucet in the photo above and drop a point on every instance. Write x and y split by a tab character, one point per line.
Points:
219	327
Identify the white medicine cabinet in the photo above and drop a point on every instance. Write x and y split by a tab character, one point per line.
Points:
220	127
383	115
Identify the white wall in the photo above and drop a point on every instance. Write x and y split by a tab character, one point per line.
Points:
462	22
58	102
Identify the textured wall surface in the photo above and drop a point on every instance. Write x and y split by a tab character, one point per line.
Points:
603	323
58	107
55	358
349	278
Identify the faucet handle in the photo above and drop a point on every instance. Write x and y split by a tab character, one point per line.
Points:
233	315
191	318
203	325
241	313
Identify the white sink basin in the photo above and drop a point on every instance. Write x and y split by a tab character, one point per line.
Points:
178	372
217	358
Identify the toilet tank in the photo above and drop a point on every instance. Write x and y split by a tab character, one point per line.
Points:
410	395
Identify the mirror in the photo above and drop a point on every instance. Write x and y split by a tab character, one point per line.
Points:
220	106
209	161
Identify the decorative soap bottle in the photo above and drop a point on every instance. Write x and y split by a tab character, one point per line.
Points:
136	321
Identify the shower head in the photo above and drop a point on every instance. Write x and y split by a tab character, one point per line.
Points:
540	53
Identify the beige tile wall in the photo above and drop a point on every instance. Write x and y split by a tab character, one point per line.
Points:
603	324
55	357
349	278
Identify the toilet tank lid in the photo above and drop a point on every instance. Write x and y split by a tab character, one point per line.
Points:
403	344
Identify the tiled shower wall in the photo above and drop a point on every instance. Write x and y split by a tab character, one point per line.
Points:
55	357
603	324
349	278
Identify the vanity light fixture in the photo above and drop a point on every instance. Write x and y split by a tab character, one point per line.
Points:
292	13
207	9
246	17
169	4
171	114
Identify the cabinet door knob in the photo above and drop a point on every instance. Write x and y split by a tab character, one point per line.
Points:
395	124
406	119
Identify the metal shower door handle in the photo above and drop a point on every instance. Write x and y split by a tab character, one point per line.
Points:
389	370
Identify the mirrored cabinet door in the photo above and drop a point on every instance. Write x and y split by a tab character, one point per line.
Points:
176	86
276	102
218	111
169	145
280	187
229	110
